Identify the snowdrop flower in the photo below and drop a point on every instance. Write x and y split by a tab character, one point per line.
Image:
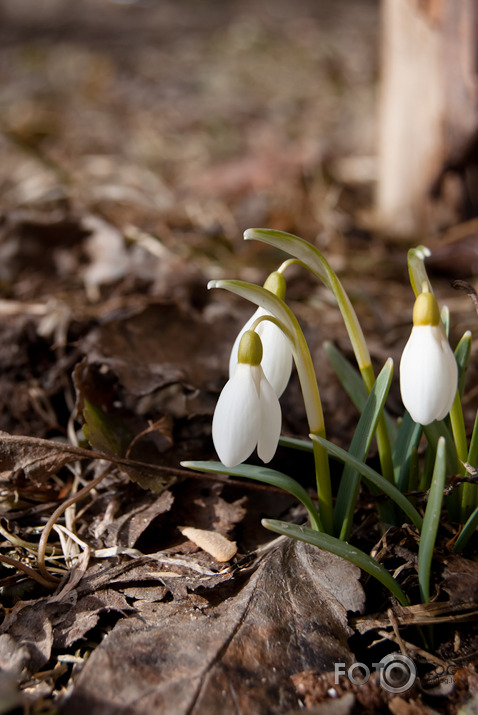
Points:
428	369
277	357
247	413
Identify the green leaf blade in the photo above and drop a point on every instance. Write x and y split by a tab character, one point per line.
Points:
367	424
431	521
376	479
408	438
342	549
467	532
266	476
462	355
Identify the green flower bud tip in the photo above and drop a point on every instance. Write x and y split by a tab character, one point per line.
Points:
250	348
276	283
425	310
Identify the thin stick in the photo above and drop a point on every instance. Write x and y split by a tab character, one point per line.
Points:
48	582
42	544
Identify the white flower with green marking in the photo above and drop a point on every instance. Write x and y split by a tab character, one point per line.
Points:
277	353
248	413
428	368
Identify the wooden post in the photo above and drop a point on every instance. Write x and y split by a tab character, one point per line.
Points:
428	121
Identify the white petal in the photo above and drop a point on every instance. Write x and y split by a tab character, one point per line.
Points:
428	374
235	424
270	421
277	355
450	385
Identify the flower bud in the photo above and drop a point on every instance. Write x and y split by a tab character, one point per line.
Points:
428	369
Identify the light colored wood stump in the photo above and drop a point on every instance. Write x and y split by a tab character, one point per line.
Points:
428	126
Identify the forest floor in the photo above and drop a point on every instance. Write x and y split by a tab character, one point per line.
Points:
138	142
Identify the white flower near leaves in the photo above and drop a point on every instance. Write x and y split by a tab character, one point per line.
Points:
277	352
277	357
428	368
248	413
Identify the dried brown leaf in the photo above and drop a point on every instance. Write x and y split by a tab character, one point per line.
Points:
161	346
38	458
460	579
30	624
238	656
37	627
126	530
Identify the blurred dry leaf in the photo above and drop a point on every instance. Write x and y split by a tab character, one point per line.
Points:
460	579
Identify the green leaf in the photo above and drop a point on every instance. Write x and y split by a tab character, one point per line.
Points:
473	451
265	475
462	355
353	384
349	377
431	521
108	433
293	443
340	548
367	424
433	432
374	478
467	532
105	432
408	438
469	491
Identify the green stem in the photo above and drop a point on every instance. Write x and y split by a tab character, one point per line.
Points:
382	436
431	522
315	417
467	491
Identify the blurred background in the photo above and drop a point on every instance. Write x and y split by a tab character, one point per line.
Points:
191	120
140	139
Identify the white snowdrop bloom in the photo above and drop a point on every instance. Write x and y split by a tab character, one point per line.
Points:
248	413
277	355
428	368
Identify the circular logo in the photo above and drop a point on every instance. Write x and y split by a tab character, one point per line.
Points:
397	673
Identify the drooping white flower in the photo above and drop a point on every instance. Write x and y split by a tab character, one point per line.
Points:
277	356
248	413
428	368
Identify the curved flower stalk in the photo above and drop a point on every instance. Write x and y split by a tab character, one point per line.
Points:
277	354
314	261
417	271
428	368
247	413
